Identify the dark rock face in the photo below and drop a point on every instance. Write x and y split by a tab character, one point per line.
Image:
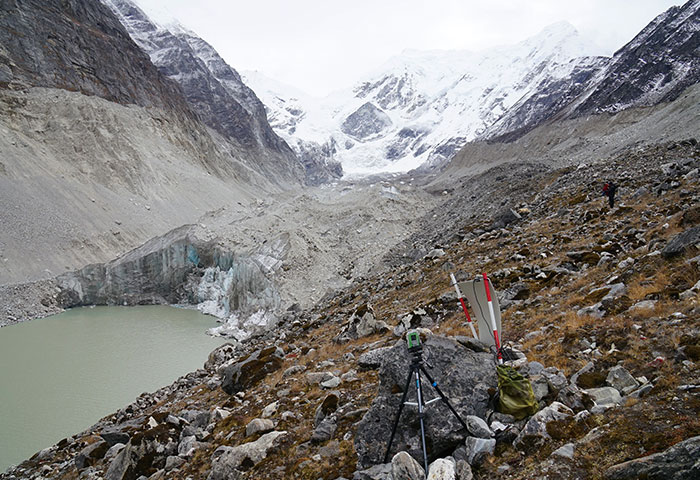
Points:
319	162
680	462
250	370
656	66
681	242
79	45
463	376
365	122
551	96
213	89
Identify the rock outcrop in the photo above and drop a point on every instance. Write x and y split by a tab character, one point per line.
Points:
680	462
79	45
213	89
463	376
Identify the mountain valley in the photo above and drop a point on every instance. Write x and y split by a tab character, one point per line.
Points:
137	167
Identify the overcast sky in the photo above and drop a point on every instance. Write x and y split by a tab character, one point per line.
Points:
323	45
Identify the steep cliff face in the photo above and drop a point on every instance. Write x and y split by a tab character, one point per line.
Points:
661	62
213	89
100	151
656	66
78	45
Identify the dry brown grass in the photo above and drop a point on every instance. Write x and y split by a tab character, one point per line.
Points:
641	288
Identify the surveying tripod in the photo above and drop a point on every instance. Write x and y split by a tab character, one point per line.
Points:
415	349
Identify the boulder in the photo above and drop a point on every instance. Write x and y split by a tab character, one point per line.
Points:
478	427
464	376
325	430
540	386
565	451
680	462
405	467
327	407
362	323
574	398
377	472
503	218
605	396
372	360
145	453
251	369
90	454
259	425
112	437
442	469
534	434
464	471
173	462
685	240
227	462
621	380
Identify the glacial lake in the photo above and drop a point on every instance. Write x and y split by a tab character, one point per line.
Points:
61	374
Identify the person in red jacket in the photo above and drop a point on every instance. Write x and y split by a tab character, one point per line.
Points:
609	191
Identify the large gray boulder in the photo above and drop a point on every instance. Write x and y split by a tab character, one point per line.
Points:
405	467
251	369
680	462
535	434
442	469
464	376
363	322
145	454
227	461
685	240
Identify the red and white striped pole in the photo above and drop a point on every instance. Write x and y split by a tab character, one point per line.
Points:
493	319
464	305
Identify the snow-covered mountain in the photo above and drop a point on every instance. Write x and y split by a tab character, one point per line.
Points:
420	107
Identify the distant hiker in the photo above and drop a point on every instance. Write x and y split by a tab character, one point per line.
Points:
609	191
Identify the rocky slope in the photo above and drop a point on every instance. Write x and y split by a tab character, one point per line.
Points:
100	151
601	302
216	92
656	66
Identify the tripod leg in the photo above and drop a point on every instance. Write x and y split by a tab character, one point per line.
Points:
444	398
398	414
421	416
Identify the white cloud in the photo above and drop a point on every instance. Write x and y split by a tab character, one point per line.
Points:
322	45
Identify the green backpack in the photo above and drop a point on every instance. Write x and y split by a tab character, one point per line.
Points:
515	396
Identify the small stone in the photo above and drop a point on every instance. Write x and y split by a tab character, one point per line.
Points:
478	449
270	410
478	427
